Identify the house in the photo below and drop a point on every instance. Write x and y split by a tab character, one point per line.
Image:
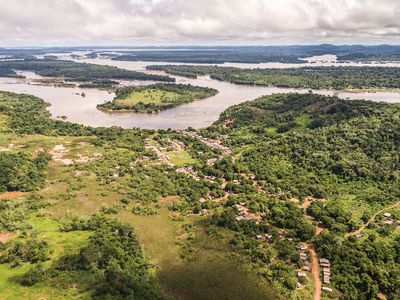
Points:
326	270
387	215
301	274
325	265
268	236
324	260
326	289
306	268
327	280
388	222
301	248
303	256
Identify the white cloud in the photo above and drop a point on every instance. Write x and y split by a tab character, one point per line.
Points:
130	22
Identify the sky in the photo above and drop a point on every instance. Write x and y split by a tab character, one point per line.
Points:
198	22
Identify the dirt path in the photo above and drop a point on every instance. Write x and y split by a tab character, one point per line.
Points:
365	225
10	195
315	271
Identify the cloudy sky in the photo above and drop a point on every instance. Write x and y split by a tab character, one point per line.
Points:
184	22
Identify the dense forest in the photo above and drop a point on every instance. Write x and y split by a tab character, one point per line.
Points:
327	148
74	71
339	78
155	97
111	213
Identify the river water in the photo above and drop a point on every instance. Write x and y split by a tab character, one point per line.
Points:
69	102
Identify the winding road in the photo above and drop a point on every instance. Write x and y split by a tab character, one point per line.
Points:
365	225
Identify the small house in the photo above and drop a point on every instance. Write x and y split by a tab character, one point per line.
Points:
326	289
301	247
387	215
327	280
301	274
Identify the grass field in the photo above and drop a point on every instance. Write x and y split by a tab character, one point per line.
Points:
180	158
155	96
211	275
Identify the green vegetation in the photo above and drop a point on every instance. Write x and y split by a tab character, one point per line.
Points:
19	172
74	71
144	214
155	97
340	78
343	152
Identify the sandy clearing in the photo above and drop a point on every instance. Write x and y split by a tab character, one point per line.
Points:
10	195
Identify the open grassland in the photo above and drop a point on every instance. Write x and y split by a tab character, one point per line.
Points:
155	96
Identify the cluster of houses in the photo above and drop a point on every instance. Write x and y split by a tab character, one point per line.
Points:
326	270
388	219
303	257
156	150
245	214
215	144
188	170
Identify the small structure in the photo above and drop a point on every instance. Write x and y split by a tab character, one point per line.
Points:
303	256
388	222
306	268
387	215
327	280
259	237
301	274
325	265
301	247
326	289
268	236
359	235
324	260
239	218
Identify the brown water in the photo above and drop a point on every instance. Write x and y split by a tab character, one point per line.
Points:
69	102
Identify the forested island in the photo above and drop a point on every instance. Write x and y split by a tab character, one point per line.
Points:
73	71
339	78
233	209
155	97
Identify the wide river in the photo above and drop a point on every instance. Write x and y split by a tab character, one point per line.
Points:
69	102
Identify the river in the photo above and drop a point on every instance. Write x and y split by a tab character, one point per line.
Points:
69	102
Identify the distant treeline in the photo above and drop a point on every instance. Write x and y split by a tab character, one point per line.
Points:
74	71
307	77
260	54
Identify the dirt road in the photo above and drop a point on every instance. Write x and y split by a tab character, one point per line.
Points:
365	225
315	271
